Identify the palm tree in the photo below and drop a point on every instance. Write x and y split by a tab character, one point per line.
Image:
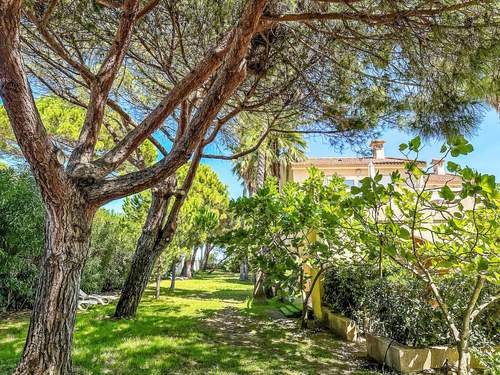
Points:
278	150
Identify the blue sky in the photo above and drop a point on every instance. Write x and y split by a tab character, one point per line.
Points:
485	157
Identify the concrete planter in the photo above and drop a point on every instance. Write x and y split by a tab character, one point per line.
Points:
407	359
442	355
401	358
340	325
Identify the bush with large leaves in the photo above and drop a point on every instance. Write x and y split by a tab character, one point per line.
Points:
400	306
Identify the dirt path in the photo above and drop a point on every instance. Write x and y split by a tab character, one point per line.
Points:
315	351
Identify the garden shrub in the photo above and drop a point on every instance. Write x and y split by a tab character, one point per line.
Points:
21	243
21	238
111	250
400	307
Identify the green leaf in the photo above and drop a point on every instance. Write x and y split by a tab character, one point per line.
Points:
452	167
483	264
404	233
446	193
415	144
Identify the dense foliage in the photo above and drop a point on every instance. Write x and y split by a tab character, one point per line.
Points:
21	243
420	258
289	231
400	306
21	238
114	236
111	250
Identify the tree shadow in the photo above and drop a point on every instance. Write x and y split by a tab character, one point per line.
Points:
195	331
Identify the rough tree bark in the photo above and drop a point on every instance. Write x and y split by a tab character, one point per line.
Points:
155	237
72	192
67	234
147	251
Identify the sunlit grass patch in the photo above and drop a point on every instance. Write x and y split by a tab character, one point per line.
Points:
206	326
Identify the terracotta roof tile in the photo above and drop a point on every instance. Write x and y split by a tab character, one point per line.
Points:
340	161
444	179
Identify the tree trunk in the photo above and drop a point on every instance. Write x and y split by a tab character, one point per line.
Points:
184	270
258	290
261	169
146	254
208	250
305	302
187	271
158	282
67	239
172	274
244	270
463	342
463	357
192	262
140	272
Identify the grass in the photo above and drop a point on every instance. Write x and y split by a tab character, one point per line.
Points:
206	326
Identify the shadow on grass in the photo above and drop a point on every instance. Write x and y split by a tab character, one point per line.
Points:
193	331
226	295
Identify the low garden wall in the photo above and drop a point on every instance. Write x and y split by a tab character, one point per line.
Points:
384	350
406	329
407	359
340	325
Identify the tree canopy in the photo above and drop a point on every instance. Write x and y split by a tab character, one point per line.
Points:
185	69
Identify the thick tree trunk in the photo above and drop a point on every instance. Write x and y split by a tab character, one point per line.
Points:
146	254
67	237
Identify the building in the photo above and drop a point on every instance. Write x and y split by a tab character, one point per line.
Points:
354	169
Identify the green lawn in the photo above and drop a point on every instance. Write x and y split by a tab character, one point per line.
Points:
204	327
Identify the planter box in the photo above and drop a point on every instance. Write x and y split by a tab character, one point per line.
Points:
442	354
340	325
407	359
402	358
